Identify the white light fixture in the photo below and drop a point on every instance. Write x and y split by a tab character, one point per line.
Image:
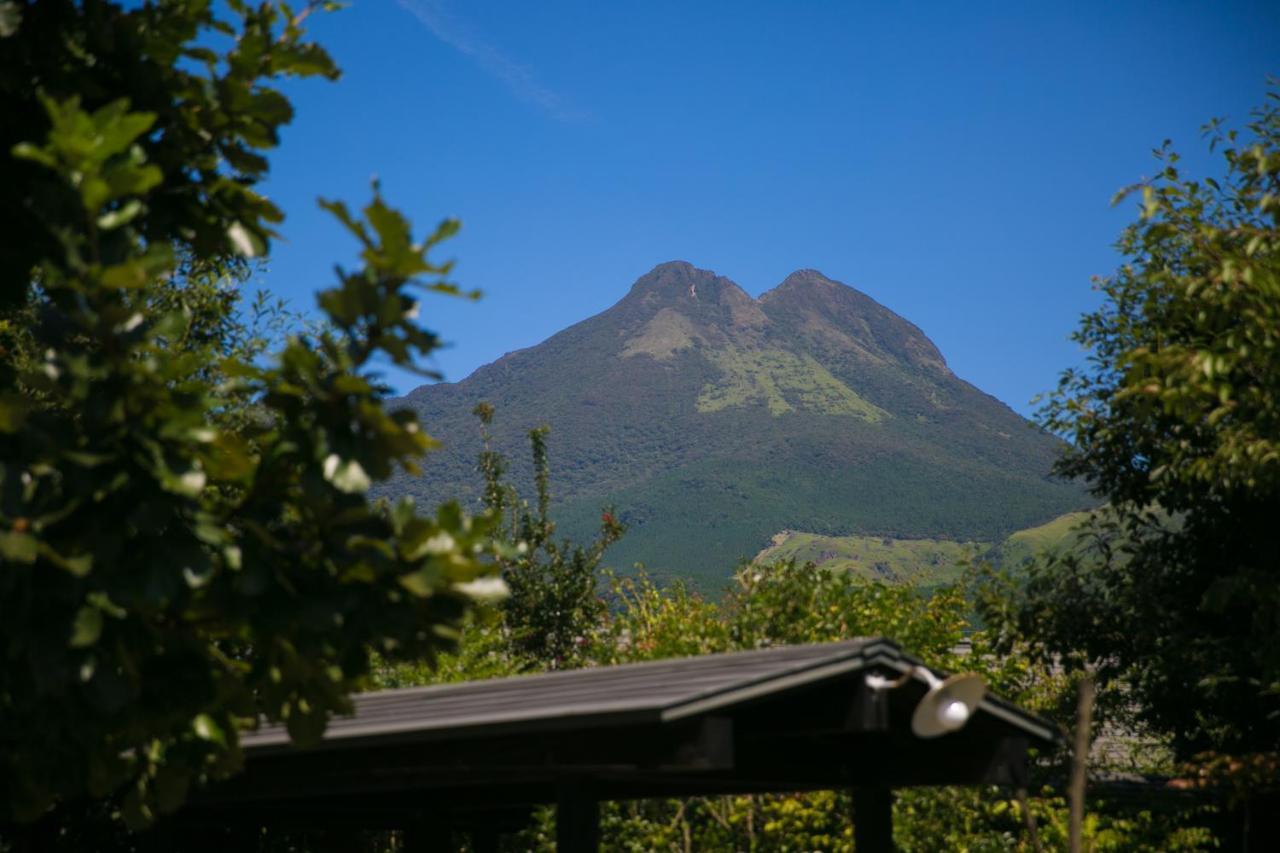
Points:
946	707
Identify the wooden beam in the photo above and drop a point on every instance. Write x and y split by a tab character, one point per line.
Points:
695	745
577	819
873	820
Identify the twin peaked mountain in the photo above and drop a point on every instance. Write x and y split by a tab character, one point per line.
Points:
712	421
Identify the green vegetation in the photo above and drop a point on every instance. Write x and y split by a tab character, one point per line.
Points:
185	534
552	604
662	337
779	602
700	521
783	382
923	563
920	562
786	602
1172	592
1025	546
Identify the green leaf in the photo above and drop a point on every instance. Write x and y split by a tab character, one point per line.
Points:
78	566
123	215
207	728
172	785
19	547
14	410
188	484
27	151
139	272
85	459
86	628
245	241
424	582
10	18
305	728
346	475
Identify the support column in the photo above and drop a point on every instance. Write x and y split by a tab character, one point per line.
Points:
873	820
577	820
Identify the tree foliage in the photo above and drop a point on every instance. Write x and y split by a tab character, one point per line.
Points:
1175	588
186	538
553	603
788	602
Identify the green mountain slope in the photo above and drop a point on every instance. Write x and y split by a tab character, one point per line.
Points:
712	420
924	562
1053	536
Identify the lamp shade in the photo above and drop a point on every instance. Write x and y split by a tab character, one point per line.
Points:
948	705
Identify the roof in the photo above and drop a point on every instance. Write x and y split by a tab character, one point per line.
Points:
654	692
790	718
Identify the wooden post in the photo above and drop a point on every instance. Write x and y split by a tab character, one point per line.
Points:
873	820
1079	763
577	820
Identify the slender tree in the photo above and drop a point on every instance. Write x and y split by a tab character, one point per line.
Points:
554	606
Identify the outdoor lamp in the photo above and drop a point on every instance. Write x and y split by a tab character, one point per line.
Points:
947	706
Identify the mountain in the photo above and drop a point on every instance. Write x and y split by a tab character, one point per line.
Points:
713	420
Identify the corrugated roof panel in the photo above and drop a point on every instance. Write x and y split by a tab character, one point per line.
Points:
618	692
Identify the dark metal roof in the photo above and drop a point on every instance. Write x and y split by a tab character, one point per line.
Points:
655	692
791	718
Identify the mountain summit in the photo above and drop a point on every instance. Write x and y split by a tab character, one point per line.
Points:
713	420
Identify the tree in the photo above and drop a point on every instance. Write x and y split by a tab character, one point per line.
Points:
1175	422
553	607
186	538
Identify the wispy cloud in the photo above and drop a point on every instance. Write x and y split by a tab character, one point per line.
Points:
454	32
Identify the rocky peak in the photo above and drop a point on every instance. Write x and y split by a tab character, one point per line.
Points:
677	281
810	284
835	312
698	294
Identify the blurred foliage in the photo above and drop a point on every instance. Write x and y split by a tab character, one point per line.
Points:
186	535
1173	589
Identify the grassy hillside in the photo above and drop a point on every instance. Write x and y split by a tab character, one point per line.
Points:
924	562
1020	547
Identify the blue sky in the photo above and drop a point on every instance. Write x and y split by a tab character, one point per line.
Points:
955	161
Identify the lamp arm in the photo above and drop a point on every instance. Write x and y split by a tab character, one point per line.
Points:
879	682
